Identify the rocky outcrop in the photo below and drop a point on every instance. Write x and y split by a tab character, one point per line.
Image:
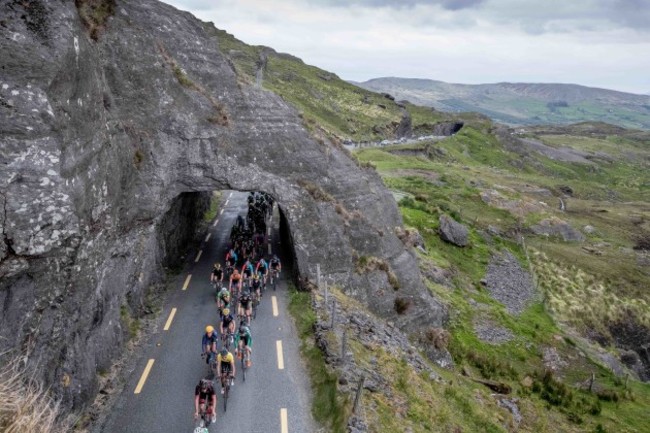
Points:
453	232
556	227
102	135
509	283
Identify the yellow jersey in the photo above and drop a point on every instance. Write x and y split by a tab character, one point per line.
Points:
228	358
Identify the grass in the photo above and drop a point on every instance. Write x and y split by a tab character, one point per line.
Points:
94	14
328	407
581	290
211	213
328	104
25	404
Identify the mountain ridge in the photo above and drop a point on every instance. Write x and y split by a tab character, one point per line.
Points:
522	103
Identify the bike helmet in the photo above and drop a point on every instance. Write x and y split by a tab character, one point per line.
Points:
208	329
217	265
244	330
226	311
204	384
224	352
256	276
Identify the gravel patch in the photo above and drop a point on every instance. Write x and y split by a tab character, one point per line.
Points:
509	283
490	332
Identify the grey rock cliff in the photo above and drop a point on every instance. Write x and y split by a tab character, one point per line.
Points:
99	140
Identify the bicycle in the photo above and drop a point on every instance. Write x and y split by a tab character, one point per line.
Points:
212	361
205	417
227	340
256	302
226	377
244	362
275	274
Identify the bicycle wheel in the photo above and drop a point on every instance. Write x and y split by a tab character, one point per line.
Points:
225	395
255	309
243	367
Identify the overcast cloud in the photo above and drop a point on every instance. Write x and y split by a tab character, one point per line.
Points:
601	43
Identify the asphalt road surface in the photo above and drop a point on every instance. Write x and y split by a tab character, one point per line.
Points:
159	395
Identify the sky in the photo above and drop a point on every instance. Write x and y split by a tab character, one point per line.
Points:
598	43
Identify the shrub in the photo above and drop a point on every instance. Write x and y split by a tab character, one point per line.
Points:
438	337
315	191
402	304
94	14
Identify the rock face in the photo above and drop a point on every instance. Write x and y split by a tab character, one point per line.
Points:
453	232
107	142
509	283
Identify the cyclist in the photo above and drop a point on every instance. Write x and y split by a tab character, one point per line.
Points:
223	299
226	367
262	268
256	286
231	258
204	392
247	272
246	305
275	266
217	275
244	340
235	280
227	323
209	344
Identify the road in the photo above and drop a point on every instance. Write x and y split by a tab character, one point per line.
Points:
159	395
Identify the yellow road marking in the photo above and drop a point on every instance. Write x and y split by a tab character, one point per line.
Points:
278	345
284	421
274	303
143	378
221	212
198	256
169	320
207	238
187	281
215	222
226	203
229	195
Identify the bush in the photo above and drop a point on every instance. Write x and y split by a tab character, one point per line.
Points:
402	304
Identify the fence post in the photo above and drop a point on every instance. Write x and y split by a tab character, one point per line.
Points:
318	275
357	397
344	349
326	290
333	312
591	382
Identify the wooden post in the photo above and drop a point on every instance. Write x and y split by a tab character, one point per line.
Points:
326	290
344	348
591	381
318	275
357	397
333	312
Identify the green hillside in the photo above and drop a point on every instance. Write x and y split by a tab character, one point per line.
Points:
502	184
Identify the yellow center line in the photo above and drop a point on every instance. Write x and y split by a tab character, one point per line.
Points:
284	421
198	256
226	203
143	378
169	320
229	195
187	281
221	212
274	303
278	344
207	238
215	222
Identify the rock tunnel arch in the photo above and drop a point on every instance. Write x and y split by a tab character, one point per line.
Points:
115	135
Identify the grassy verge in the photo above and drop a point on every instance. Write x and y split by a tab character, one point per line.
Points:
25	404
211	213
328	407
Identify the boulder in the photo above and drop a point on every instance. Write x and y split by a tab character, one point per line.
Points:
453	232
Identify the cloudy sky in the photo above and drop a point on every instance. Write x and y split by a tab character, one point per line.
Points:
601	43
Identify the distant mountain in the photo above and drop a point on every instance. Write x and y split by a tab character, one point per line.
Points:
522	103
